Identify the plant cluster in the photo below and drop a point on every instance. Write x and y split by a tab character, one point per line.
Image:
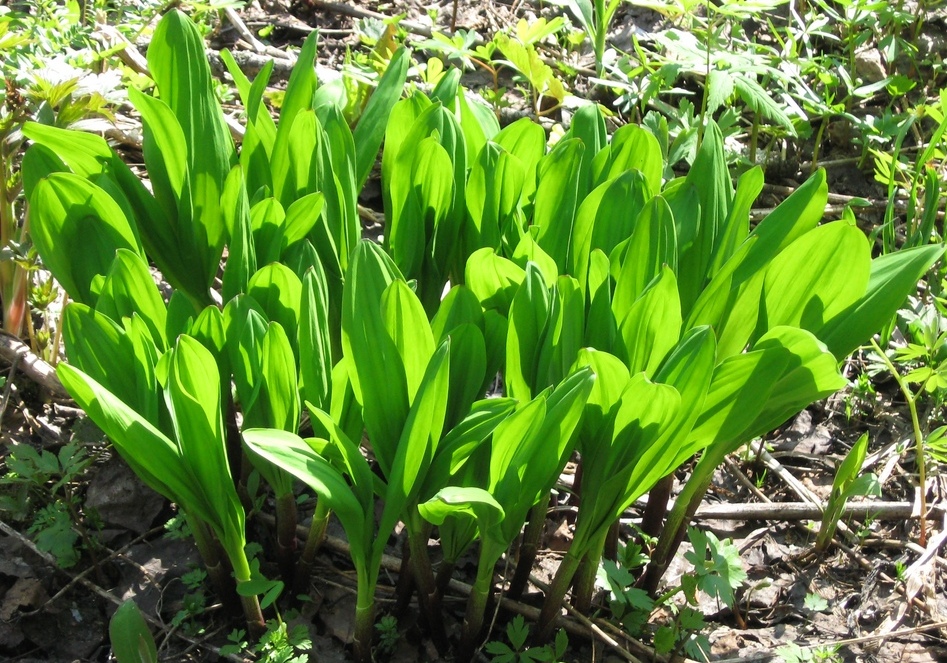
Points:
634	317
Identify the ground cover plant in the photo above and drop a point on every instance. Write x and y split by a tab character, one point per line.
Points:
535	300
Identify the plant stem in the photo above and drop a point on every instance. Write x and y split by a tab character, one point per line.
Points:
657	506
477	605
364	616
286	536
317	533
214	563
528	548
585	576
556	594
424	578
684	508
911	399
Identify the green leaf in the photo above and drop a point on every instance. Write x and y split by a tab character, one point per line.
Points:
528	315
605	218
241	251
494	190
297	457
811	374
374	363
130	288
633	148
653	324
130	637
893	277
77	228
154	458
408	328
193	397
370	129
278	291
557	198
315	344
493	279
651	250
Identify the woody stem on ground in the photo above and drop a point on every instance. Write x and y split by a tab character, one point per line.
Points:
911	399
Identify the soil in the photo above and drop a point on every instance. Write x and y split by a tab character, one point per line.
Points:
878	581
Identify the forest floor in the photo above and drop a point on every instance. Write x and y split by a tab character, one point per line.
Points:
876	595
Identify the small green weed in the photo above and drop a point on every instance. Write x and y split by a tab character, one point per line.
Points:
517	652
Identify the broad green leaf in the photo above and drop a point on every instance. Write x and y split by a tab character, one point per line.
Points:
557	199
241	250
459	306
893	277
154	457
178	63
375	365
528	250
525	140
605	218
711	178
193	398
297	457
99	346
341	196
76	229
301	216
459	444
468	372
244	326
407	326
564	333
528	317
651	248
315	345
588	125
129	636
419	439
130	288
494	190
86	154
652	326
278	291
493	279
601	329
453	500
743	274
38	162
817	276
811	374
370	130
739	390
166	153
632	148
297	159
736	227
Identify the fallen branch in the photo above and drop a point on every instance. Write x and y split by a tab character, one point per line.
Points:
12	348
806	511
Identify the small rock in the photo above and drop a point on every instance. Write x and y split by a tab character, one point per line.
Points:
120	498
870	66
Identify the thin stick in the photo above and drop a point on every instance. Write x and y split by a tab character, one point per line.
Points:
108	596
